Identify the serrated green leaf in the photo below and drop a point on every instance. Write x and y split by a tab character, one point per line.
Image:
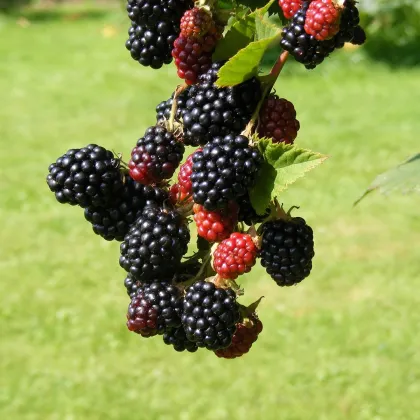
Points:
264	27
283	165
404	178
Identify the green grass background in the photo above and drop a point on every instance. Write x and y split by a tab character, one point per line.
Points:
344	344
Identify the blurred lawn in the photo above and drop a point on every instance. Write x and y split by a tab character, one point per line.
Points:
342	345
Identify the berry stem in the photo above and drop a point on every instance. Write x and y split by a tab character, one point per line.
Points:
271	80
174	107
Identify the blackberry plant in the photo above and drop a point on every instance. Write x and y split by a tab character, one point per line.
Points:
229	187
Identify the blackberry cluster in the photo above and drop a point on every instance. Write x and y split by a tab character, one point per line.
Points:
210	315
154	245
154	28
113	222
156	156
287	250
89	176
223	171
211	111
163	110
177	338
305	48
155	308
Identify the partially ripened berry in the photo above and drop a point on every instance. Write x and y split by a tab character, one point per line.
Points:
290	7
156	156
209	315
322	19
177	338
113	222
224	170
86	177
212	111
247	213
245	336
278	120
214	226
154	308
184	174
287	249
235	255
195	22
154	245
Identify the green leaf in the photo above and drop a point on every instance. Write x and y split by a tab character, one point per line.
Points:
283	165
264	27
404	178
239	33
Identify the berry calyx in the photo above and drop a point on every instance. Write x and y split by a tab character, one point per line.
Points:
290	7
156	156
245	336
287	249
278	120
235	255
214	226
322	19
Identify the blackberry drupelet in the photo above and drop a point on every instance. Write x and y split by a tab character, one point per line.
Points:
156	156
132	285
223	171
154	245
212	111
287	249
86	177
177	338
247	213
154	308
209	315
113	222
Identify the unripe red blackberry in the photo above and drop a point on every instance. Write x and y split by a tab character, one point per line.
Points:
278	120
113	222
211	111
154	246
224	170
155	308
89	176
214	226
209	315
184	174
178	339
193	55
235	255
196	22
322	19
156	156
245	336
290	7
287	249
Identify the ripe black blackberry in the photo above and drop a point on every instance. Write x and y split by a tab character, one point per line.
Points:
154	245
211	111
154	308
86	177
287	249
163	110
132	285
304	47
247	213
223	171
349	25
154	28
113	222
156	156
209	315
178	339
